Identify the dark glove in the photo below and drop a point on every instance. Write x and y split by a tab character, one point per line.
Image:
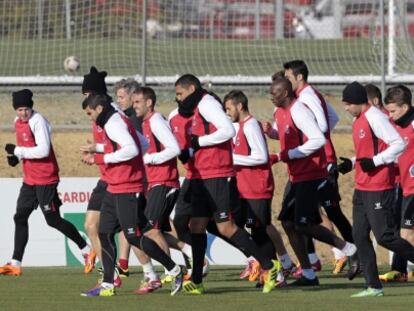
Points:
12	160
10	148
184	156
284	155
367	164
194	143
345	166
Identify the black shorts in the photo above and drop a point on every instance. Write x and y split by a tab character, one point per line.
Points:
123	211
45	196
214	197
160	203
329	191
183	204
301	202
258	212
407	212
98	193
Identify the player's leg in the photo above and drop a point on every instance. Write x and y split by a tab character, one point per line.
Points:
108	225
26	203
219	195
297	239
157	212
307	217
380	216
91	223
257	219
398	264
124	250
50	203
127	207
361	232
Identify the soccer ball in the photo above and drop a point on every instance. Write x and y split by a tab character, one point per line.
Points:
71	64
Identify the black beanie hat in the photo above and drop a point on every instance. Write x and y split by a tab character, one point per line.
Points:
94	82
355	93
22	98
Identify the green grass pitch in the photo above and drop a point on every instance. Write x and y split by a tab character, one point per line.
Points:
59	288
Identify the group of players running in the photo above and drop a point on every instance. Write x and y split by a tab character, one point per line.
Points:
228	185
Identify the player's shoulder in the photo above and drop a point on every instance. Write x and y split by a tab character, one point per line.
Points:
209	100
37	118
375	113
173	114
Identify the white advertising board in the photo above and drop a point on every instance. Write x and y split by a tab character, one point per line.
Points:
48	247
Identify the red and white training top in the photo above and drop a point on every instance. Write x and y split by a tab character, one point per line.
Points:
406	159
99	139
375	137
161	157
300	135
122	156
215	131
325	115
181	128
251	161
35	149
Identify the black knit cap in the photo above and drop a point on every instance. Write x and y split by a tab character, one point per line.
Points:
355	93
22	98
94	82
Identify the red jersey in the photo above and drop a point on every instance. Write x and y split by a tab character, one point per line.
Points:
159	174
44	171
253	182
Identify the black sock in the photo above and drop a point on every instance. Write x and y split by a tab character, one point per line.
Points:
68	229
108	255
322	234
243	241
199	245
181	226
336	215
154	251
21	232
212	229
263	241
310	245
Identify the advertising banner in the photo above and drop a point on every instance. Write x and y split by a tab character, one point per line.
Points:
48	247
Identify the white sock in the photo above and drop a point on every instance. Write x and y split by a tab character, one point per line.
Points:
174	271
107	285
285	261
16	263
251	258
280	277
149	272
309	274
349	249
187	250
313	258
148	267
337	253
86	250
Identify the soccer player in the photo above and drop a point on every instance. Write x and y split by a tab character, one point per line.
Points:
94	83
377	145
375	97
254	180
302	143
160	165
398	103
212	182
40	179
124	197
297	72
151	281
124	90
